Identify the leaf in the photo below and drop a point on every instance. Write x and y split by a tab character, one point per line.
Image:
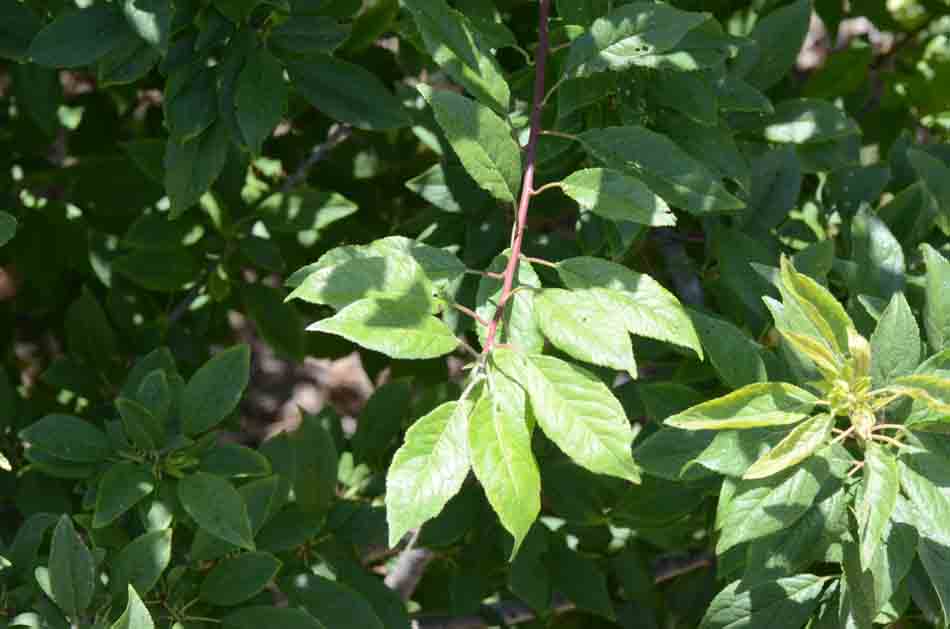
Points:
663	166
150	20
213	392
316	462
278	322
582	324
737	358
428	469
806	120
217	508
122	486
576	411
78	38
129	62
267	616
937	304
499	446
895	344
932	509
803	441
779	37
391	328
456	47
141	426
303	35
68	438
881	487
141	563
332	603
782	604
519	325
934	390
580	579
819	306
191	167
8	225
760	404
481	140
381	421
18	26
347	92
878	254
136	614
89	332
237	579
628	36
191	101
260	98
647	308
232	460
71	570
618	197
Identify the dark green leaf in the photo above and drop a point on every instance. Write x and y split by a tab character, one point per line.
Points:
261	98
265	616
78	38
141	563
68	438
303	35
782	604
71	570
121	488
217	508
191	167
237	579
332	603
213	392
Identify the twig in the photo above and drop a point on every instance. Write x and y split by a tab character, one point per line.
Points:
527	184
409	568
179	311
338	134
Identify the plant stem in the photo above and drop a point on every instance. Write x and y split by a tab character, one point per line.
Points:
539	261
527	183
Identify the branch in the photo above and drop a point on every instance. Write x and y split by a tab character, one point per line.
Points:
338	134
527	183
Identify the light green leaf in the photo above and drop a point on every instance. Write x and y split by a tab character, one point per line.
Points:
617	197
347	92
213	392
260	98
881	487
141	563
937	305
428	469
647	308
78	38
663	166
583	324
519	326
783	604
71	570
456	48
122	486
136	615
391	328
629	36
268	616
217	508
932	389
895	344
237	579
818	305
481	140
68	438
806	120
500	450
150	19
576	411
760	404
803	441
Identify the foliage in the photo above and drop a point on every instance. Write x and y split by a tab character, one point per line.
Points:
659	315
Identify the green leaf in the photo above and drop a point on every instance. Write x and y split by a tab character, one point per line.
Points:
629	36
18	26
141	426
302	35
576	411
141	563
260	98
122	486
580	579
937	304
71	570
278	322
881	487
333	604
647	308
428	469
663	166
151	21
779	37
191	101
932	389
481	140
132	60
737	95
820	307
78	38
347	92
457	48
618	197
803	441
217	508
878	254
267	616
393	328
783	604
760	404
8	225
136	614
232	460
932	509
191	167
519	325
213	392
806	120
237	579
583	324
690	93
89	332
68	438
738	359
895	344
315	465
934	175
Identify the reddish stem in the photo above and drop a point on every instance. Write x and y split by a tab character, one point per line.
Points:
527	183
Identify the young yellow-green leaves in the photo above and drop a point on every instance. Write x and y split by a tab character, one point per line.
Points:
754	405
